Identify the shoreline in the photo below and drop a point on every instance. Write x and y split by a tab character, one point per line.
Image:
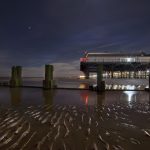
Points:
63	88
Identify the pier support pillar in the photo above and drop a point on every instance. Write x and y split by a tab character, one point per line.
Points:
149	82
87	75
129	74
100	82
121	74
145	74
48	83
16	76
134	75
112	74
126	74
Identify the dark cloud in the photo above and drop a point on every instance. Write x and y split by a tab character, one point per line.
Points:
35	32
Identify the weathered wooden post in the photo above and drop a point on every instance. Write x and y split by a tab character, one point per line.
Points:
16	79
100	82
48	83
13	77
19	75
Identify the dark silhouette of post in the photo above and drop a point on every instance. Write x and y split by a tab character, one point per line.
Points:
87	75
48	83
149	82
16	76
13	76
100	82
19	75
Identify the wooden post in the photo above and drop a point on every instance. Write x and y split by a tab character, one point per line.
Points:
19	75
48	83
16	79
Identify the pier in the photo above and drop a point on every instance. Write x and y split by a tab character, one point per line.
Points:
116	65
49	82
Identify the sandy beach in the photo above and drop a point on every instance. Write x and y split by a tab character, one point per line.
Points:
74	119
56	127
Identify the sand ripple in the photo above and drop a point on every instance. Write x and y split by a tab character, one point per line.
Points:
57	127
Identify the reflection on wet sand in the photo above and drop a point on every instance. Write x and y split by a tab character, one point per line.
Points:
71	127
88	99
130	95
85	97
100	98
107	121
48	96
16	96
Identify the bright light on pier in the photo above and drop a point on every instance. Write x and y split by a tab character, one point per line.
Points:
129	59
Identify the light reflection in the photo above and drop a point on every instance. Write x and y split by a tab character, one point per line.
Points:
130	95
130	87
86	100
122	87
85	97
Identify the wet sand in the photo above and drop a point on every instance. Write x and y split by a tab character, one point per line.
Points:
73	120
139	84
56	127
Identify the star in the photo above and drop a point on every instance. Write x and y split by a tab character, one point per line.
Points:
29	28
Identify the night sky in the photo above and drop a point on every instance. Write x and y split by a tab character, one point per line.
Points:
37	32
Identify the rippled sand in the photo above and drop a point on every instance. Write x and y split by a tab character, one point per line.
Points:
56	127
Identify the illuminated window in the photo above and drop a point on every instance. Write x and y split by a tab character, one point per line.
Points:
129	59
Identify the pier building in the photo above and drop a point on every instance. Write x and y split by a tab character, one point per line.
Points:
117	65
